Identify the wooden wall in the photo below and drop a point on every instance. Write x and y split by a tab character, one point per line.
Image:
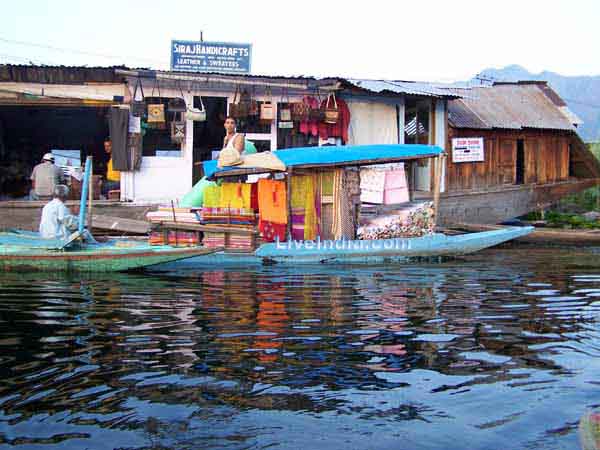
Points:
546	159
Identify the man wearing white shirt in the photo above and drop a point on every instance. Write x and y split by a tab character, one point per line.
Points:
57	221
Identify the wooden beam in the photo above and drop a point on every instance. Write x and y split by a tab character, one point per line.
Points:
289	204
119	224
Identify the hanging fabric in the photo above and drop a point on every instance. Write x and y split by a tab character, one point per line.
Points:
309	125
340	128
305	207
118	127
346	203
272	205
235	195
212	196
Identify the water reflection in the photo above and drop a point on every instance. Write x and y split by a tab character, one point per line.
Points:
457	355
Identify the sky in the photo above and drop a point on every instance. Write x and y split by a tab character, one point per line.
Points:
426	40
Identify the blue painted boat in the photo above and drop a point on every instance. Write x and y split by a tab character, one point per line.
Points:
28	251
357	251
346	251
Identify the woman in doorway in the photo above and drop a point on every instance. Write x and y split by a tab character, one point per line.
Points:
232	139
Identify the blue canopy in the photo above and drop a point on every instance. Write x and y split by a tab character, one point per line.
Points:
339	156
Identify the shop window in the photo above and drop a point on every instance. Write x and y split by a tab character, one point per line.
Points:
291	137
416	122
157	137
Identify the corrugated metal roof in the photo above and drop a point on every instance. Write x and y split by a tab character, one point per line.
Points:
508	105
402	87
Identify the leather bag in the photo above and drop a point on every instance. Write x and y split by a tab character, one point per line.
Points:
138	107
267	109
331	113
196	114
156	111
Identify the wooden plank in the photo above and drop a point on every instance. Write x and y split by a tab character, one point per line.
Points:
207	228
119	224
531	150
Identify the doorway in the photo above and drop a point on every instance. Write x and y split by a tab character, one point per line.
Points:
520	163
208	135
27	132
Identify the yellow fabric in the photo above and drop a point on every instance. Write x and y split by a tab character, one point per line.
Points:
112	174
272	201
212	196
235	195
303	199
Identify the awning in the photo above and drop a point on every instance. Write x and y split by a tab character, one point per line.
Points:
334	156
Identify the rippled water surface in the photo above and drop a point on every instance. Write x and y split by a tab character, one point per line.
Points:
497	350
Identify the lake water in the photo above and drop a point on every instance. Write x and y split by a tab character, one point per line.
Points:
494	351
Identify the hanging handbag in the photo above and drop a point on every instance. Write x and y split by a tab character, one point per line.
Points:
285	111
267	111
331	113
177	104
300	111
178	131
156	111
237	109
317	114
138	107
196	114
253	108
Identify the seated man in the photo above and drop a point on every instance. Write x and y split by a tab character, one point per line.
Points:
44	178
57	221
113	177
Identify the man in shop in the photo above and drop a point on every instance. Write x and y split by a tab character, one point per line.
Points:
232	138
113	177
44	178
57	221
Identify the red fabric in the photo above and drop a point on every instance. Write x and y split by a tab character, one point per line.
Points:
254	196
339	129
271	231
310	126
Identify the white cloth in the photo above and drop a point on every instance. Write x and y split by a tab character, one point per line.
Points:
56	220
372	123
231	141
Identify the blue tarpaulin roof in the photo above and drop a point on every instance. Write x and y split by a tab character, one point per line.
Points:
339	156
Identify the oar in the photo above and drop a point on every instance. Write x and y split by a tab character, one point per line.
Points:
85	184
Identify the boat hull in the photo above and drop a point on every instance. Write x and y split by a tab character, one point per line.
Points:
357	252
92	260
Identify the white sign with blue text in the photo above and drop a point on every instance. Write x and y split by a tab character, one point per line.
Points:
222	57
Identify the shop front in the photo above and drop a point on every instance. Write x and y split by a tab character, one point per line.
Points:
273	113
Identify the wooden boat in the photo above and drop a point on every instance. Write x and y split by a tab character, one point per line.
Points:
346	251
357	251
27	251
19	253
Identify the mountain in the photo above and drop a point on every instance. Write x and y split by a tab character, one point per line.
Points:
582	93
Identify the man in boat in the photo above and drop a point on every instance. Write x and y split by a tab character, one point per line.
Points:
57	221
44	178
113	177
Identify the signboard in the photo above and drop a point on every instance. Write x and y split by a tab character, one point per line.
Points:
467	150
224	57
